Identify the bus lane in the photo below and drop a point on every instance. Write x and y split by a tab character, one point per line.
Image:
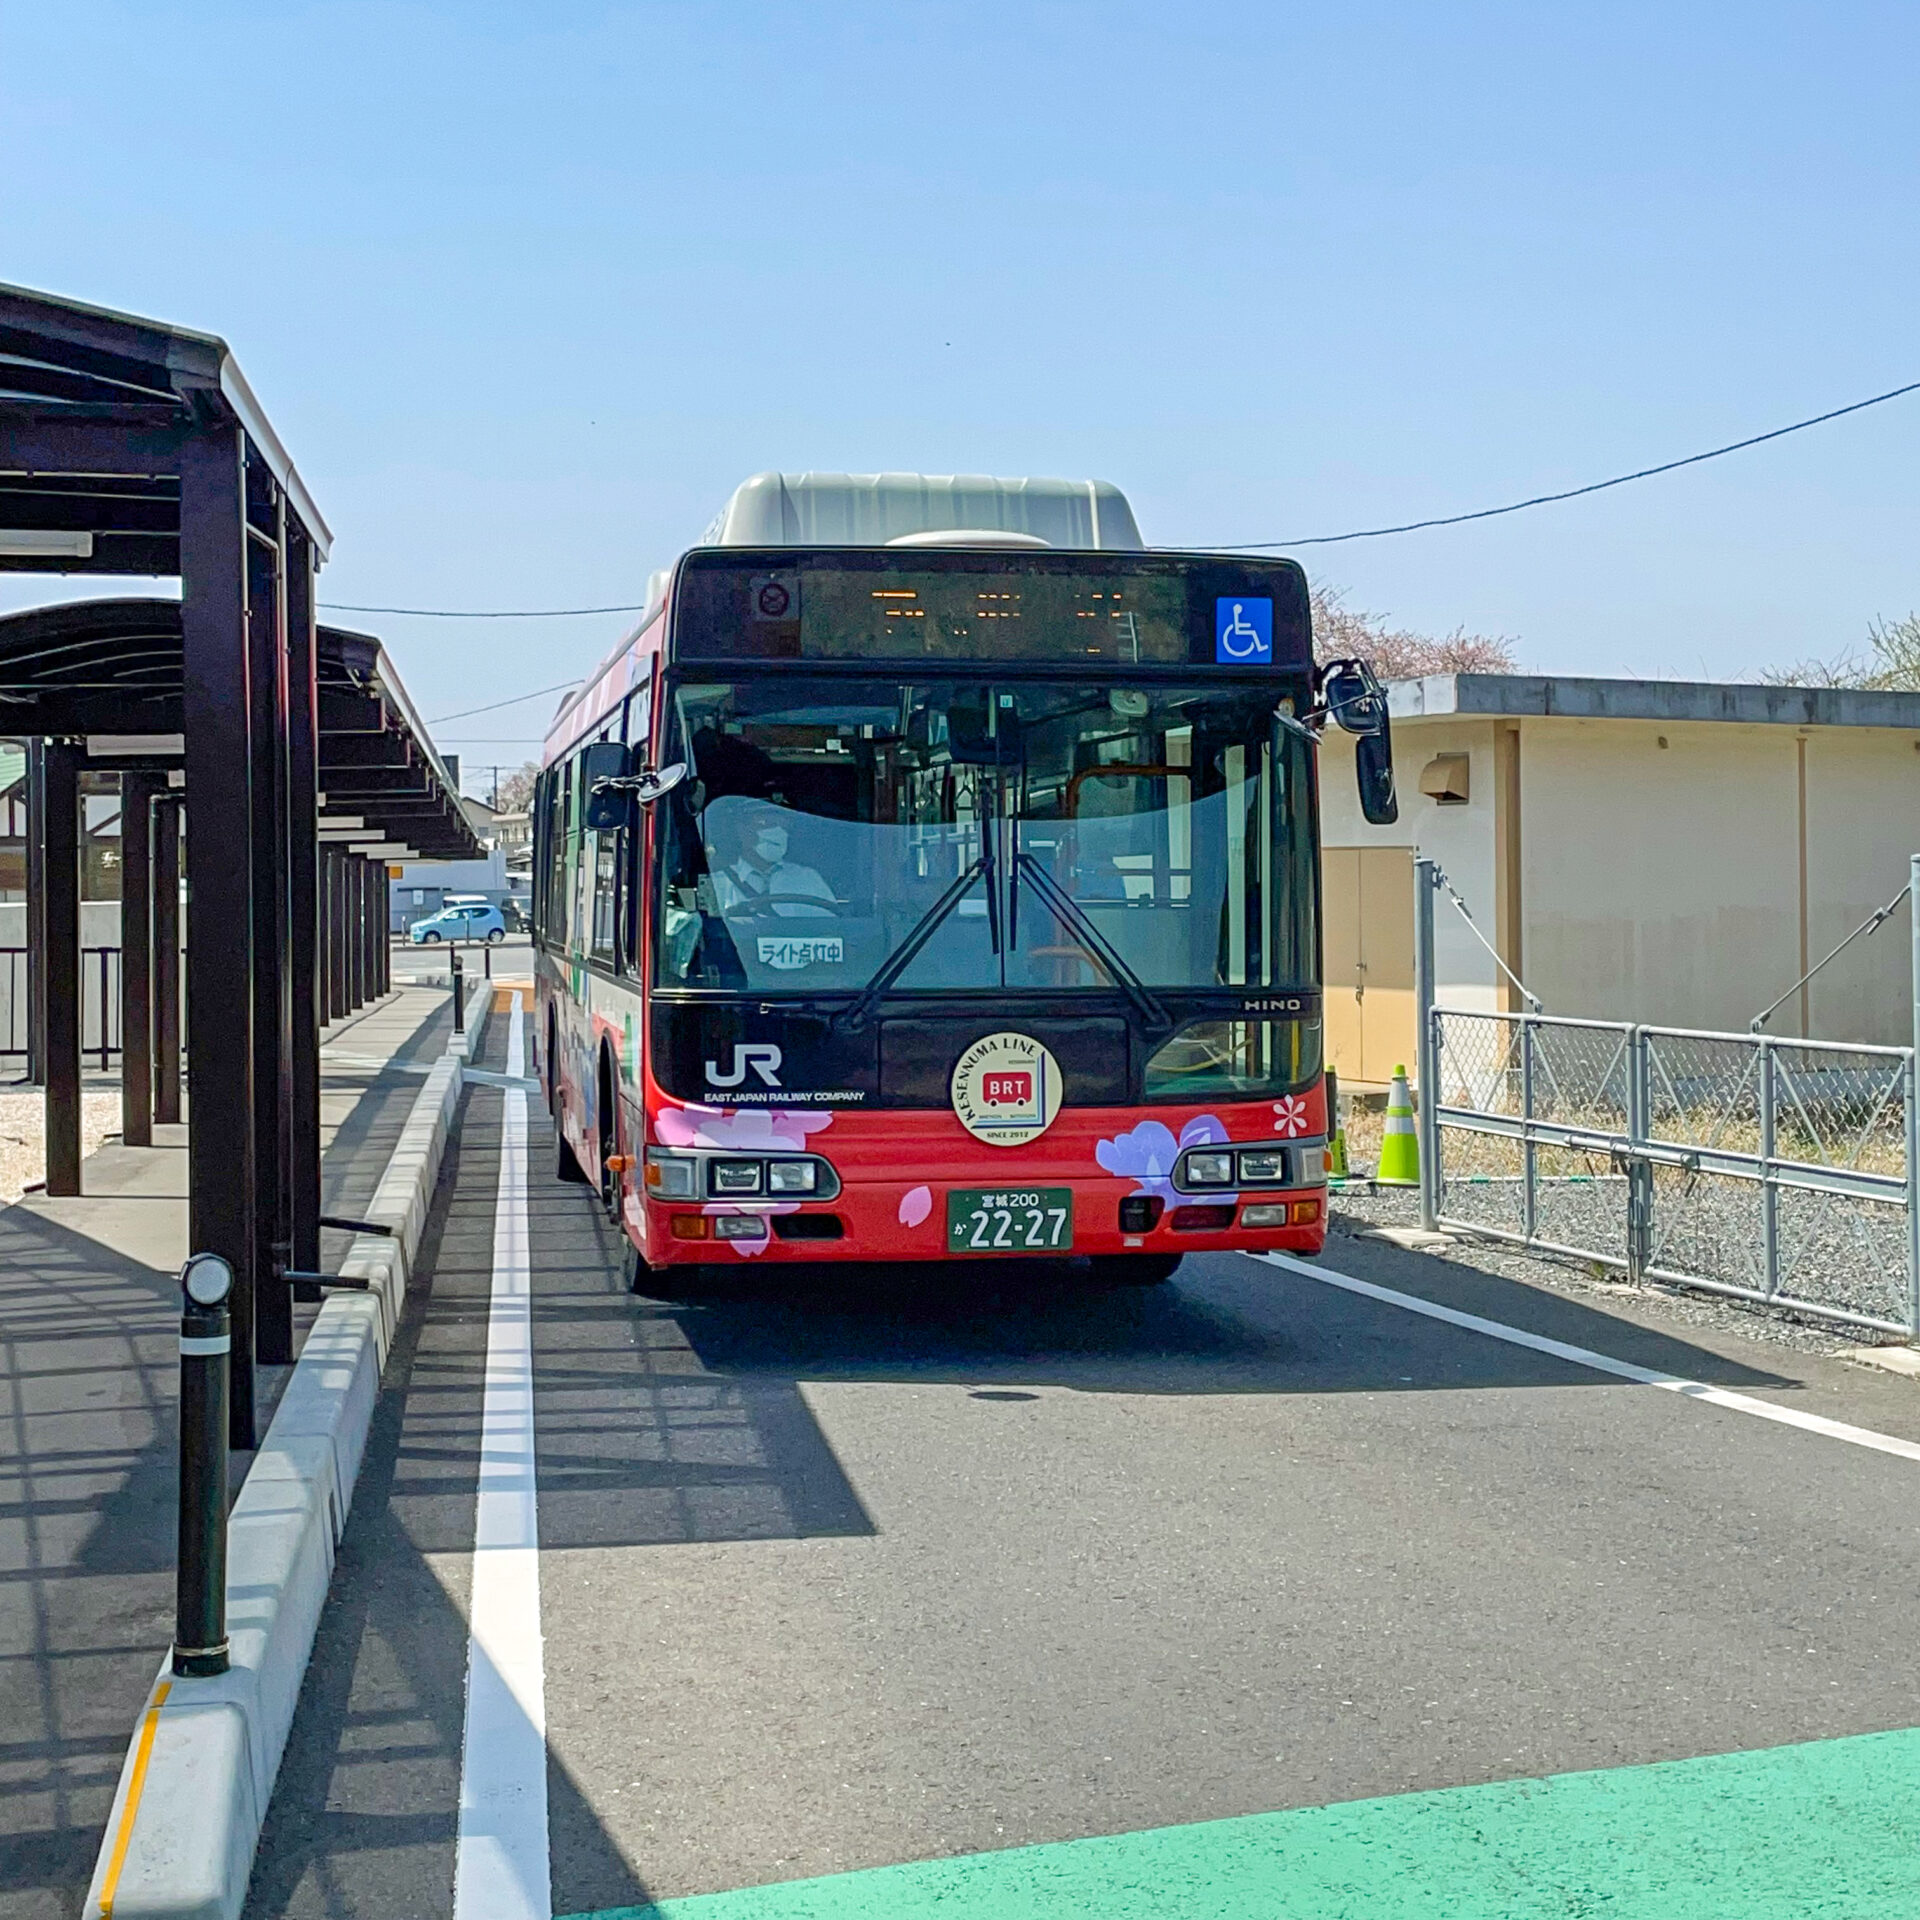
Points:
913	1567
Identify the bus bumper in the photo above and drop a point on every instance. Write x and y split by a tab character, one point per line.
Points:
898	1220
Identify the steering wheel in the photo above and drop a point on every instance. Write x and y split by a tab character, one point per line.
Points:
766	906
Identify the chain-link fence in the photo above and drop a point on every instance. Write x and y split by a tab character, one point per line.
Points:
1774	1170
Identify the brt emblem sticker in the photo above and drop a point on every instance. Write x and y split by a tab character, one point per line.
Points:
1006	1089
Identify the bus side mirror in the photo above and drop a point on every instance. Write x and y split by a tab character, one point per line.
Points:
603	775
659	782
1353	697
1373	772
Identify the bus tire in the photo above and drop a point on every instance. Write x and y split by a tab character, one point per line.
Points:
635	1271
1134	1269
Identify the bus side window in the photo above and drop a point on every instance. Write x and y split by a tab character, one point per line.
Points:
627	935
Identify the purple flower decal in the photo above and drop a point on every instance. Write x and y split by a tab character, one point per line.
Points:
1146	1154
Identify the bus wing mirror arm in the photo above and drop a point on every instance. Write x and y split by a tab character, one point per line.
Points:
607	799
1350	694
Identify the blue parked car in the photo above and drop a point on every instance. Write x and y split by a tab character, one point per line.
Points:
468	921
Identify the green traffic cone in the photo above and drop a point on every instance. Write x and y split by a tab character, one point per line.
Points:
1337	1172
1400	1146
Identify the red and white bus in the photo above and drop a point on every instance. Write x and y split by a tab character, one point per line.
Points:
934	874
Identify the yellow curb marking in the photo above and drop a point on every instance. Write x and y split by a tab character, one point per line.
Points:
142	1753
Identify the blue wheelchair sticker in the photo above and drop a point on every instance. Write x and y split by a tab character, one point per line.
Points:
1243	632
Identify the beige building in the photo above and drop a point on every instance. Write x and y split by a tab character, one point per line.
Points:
1667	851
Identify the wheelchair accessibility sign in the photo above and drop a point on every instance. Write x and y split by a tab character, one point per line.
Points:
1243	632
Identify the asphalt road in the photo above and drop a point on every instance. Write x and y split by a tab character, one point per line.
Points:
932	1562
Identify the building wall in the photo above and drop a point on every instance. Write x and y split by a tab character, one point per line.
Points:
1863	827
1664	883
1464	839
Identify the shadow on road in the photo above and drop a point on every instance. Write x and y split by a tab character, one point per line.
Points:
1224	1324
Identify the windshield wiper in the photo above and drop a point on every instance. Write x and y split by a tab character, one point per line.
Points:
1067	910
903	956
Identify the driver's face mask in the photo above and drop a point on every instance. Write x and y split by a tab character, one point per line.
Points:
770	843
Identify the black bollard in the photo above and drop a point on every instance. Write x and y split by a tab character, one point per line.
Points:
459	996
200	1610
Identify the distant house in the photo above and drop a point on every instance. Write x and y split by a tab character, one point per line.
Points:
1667	851
513	828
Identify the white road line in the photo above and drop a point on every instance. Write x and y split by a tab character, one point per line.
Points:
501	1869
1601	1362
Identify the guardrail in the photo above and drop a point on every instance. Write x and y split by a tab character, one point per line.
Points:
99	1004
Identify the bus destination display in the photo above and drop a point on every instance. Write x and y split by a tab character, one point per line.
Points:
1063	610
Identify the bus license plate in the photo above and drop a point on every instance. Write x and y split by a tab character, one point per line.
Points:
1009	1219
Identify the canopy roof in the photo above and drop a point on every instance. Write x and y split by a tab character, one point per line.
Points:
110	671
63	361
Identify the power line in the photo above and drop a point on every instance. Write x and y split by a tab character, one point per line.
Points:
493	613
467	713
1574	493
1243	546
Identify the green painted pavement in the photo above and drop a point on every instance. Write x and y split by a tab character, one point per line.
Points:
1827	1829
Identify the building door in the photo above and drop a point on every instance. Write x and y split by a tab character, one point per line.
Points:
1367	920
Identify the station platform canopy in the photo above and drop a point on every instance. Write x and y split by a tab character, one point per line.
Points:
289	751
110	673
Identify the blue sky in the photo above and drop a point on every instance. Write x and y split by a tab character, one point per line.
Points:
528	289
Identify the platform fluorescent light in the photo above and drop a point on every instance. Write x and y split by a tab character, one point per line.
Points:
37	543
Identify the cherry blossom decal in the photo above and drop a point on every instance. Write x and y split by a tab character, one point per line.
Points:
1290	1115
749	1130
1146	1154
767	1129
915	1204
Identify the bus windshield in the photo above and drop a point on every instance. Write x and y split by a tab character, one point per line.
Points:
869	836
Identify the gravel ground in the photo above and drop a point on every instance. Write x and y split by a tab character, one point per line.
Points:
1850	1254
1358	1208
23	1150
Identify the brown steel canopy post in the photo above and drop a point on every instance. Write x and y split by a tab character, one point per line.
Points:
303	904
338	1003
60	986
220	923
166	961
136	958
267	735
383	945
36	914
356	931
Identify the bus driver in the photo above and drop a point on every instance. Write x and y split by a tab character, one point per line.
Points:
750	863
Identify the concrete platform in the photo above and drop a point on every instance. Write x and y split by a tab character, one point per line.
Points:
88	1322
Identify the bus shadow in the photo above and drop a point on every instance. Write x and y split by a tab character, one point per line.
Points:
1224	1324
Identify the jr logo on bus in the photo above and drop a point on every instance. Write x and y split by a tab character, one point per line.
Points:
1007	1089
762	1057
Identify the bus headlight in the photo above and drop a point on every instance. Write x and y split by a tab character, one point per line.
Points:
792	1176
671	1178
734	1176
1210	1169
1265	1167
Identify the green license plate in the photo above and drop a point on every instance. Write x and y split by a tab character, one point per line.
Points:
1009	1219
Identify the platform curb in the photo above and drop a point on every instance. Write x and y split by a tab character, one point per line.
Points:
194	1788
